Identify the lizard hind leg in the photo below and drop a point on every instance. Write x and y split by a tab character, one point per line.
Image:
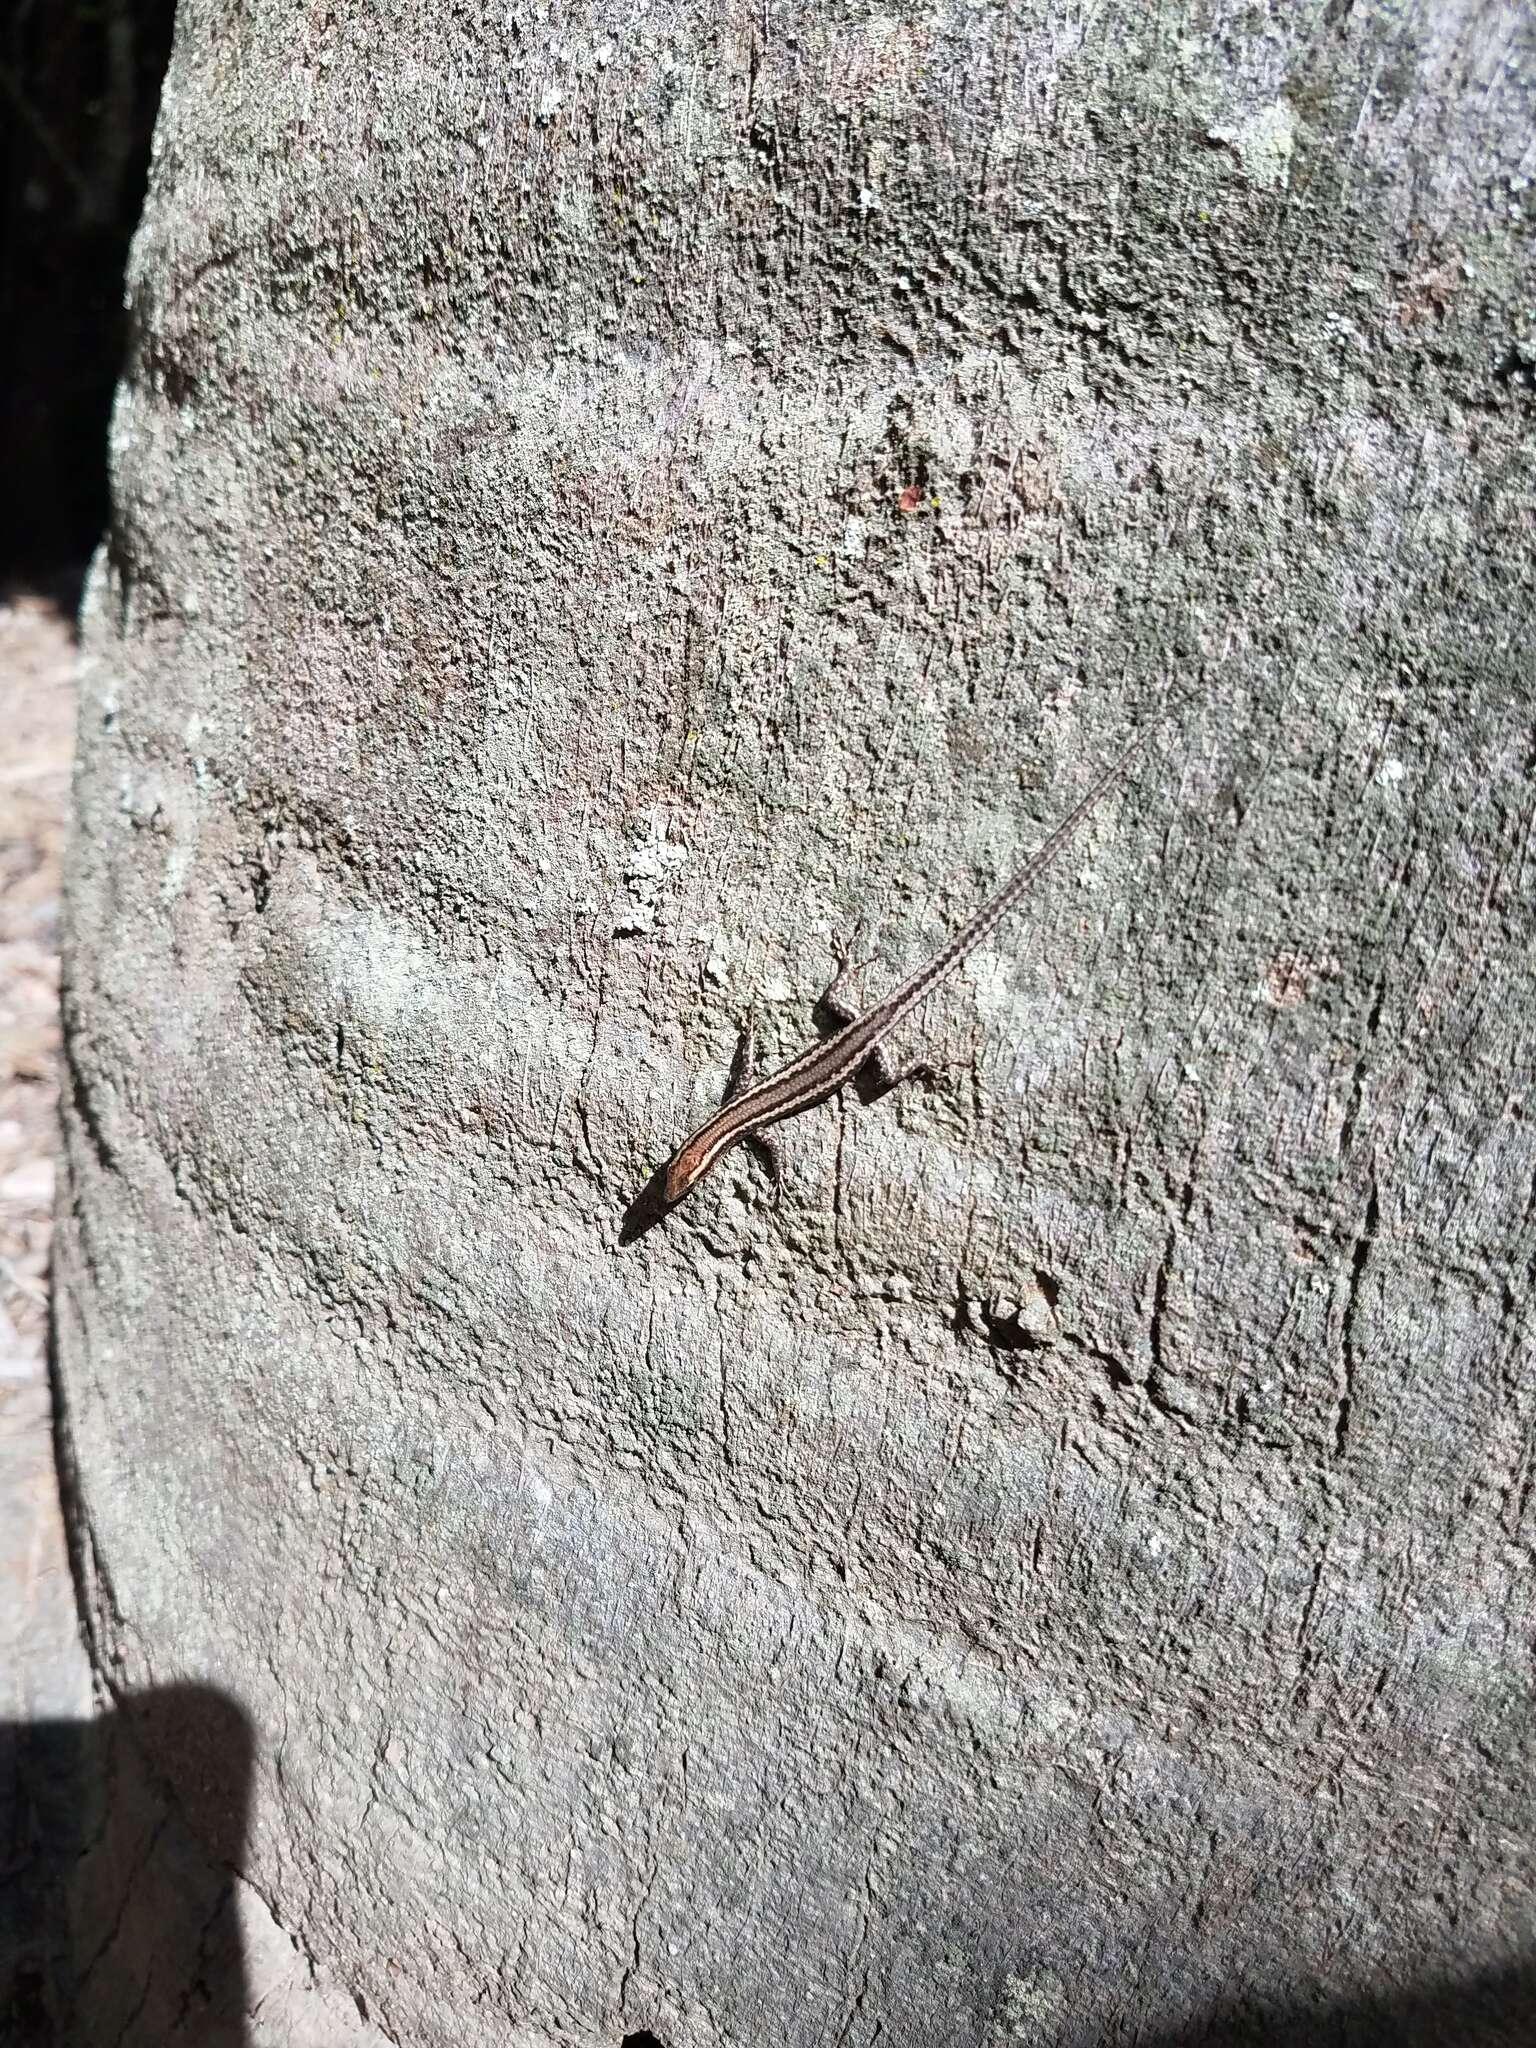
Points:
768	1156
744	1060
835	1002
885	1069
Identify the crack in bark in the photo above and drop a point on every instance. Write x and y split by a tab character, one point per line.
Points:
1357	1267
91	1579
1164	1275
223	1901
84	1106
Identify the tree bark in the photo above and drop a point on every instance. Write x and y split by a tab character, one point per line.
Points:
610	513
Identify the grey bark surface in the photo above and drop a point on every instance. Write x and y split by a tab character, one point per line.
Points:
611	509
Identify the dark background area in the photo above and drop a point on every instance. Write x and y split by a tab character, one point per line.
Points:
79	86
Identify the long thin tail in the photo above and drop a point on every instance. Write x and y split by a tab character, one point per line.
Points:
954	950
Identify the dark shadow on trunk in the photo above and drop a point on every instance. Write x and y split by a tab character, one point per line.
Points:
1496	2009
118	1840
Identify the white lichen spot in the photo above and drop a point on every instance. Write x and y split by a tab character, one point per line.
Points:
1263	144
991	976
646	868
634	921
1032	2007
1391	770
717	965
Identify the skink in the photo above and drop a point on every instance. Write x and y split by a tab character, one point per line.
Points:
823	1068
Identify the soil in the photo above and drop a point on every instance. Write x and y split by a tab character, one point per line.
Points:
37	724
42	1666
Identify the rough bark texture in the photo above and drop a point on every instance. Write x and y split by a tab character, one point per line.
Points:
613	505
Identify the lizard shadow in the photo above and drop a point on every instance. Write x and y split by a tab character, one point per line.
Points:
647	1209
651	1206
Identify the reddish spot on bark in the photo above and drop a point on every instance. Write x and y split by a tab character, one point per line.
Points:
911	498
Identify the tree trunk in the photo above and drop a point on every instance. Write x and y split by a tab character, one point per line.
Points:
611	512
